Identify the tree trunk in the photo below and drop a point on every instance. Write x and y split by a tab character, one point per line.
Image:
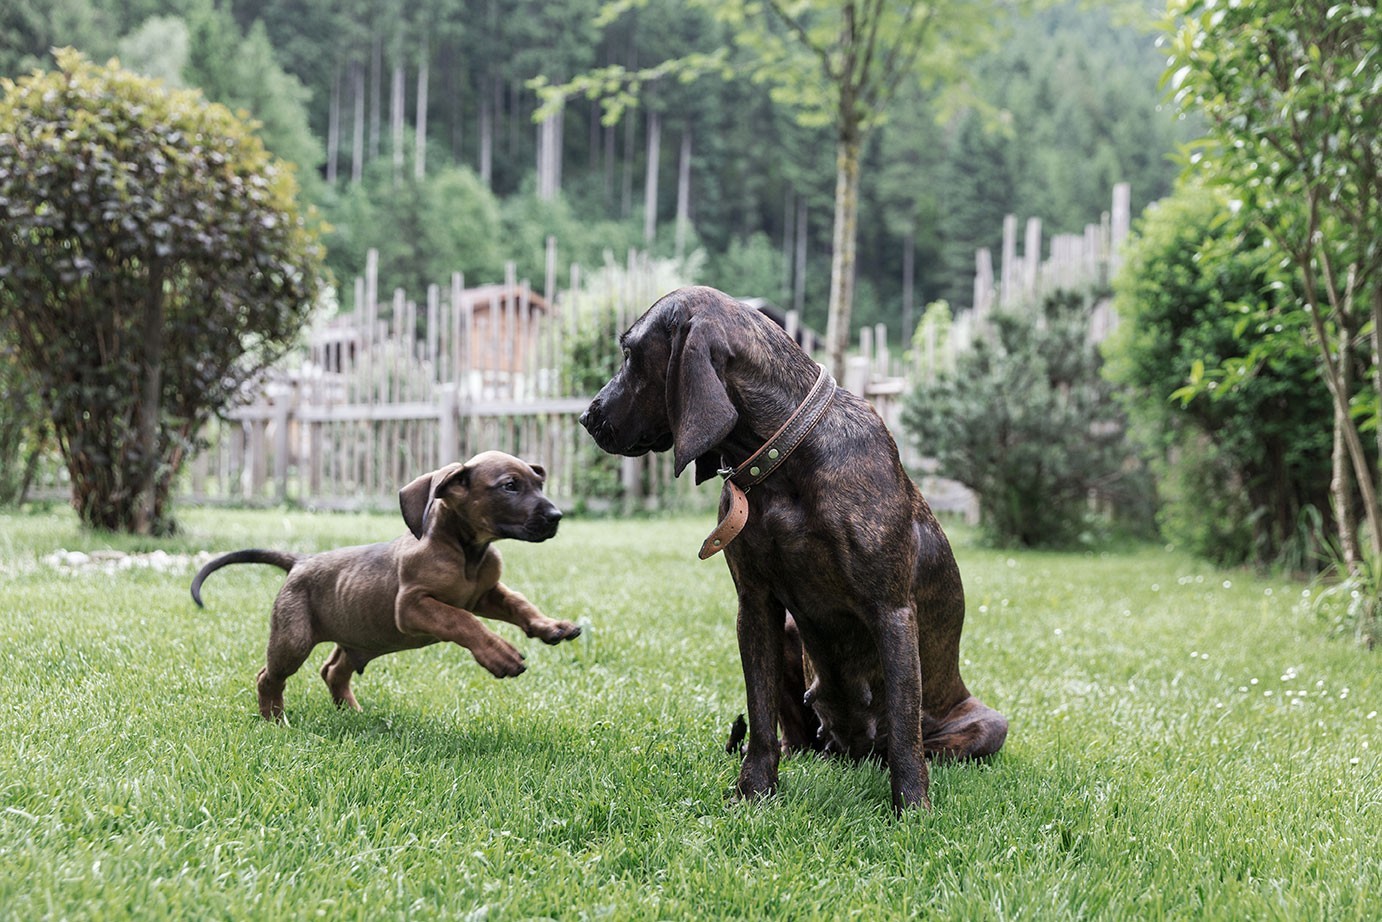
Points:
486	143
376	91
333	128
144	489
683	193
1341	491
357	150
909	278
420	123
650	178
396	123
842	259
799	275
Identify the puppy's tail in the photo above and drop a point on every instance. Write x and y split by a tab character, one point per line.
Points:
284	560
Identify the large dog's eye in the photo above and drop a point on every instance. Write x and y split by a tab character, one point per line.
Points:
626	356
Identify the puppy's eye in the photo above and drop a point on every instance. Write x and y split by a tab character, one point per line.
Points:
509	486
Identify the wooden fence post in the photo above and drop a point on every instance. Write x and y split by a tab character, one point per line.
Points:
282	443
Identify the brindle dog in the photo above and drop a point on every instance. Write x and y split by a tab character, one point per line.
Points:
838	536
425	586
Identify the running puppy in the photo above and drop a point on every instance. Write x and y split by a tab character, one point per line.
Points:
423	587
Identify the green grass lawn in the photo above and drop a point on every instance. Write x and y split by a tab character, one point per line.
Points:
1184	743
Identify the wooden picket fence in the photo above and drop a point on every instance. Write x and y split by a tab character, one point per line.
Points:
400	388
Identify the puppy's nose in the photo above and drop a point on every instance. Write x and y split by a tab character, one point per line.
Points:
553	515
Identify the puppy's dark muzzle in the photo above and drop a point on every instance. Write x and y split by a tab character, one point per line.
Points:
542	524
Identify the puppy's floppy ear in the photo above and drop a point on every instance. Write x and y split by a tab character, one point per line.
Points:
537	469
698	405
415	500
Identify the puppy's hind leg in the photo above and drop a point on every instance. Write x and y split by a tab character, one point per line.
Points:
336	672
290	642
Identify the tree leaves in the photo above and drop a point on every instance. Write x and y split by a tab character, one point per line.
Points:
113	192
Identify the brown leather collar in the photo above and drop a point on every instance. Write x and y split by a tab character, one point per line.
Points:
768	458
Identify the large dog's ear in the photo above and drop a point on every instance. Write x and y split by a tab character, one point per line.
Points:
415	500
698	405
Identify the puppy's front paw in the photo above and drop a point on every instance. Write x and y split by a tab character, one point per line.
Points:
500	657
555	631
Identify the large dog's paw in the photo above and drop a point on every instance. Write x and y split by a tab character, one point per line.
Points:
549	631
500	657
757	778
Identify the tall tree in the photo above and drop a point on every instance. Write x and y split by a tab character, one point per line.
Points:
1290	94
836	63
841	63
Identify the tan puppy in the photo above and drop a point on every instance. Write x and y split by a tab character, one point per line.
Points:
423	587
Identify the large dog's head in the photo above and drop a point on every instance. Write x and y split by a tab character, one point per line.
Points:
677	386
493	495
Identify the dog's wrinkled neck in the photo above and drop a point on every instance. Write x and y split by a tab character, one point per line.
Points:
764	408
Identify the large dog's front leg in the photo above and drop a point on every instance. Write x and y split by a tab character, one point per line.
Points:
760	627
504	604
896	634
417	613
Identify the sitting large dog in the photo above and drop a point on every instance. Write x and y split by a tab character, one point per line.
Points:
818	519
421	588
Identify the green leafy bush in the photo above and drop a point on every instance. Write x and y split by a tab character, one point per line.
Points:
1221	386
152	260
1027	423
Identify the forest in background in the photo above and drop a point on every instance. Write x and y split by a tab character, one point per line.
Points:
1065	105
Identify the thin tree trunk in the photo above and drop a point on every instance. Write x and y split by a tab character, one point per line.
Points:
799	277
333	128
909	279
150	400
396	123
842	259
357	152
626	190
420	122
650	179
789	211
376	94
683	193
1377	352
1341	491
486	143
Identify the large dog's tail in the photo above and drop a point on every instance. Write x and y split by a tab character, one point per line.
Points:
284	560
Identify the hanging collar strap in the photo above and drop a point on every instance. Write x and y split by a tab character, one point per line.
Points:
768	458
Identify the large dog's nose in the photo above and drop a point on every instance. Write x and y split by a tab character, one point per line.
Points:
589	419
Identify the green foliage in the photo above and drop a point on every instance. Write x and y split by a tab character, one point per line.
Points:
934	180
528	221
750	268
1065	108
1184	745
23	428
424	230
158	48
1027	422
592	354
1212	366
931	340
1289	92
152	260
